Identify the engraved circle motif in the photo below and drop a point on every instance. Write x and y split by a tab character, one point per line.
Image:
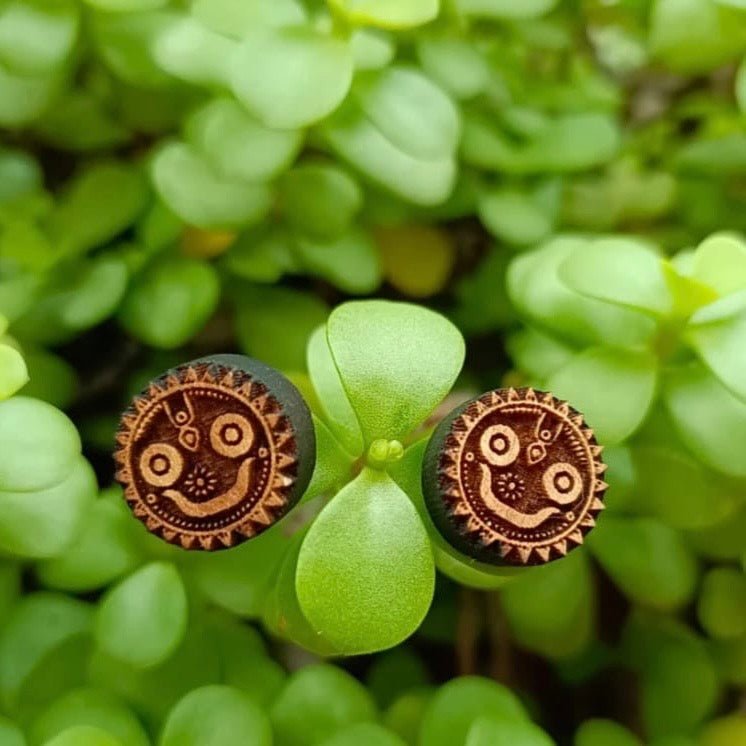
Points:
231	435
161	464
526	484
499	445
206	456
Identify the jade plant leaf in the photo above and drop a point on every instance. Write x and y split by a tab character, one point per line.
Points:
396	362
365	576
143	619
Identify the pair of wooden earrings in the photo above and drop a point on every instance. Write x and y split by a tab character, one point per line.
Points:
218	449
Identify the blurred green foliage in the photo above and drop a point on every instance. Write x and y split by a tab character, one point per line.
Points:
562	181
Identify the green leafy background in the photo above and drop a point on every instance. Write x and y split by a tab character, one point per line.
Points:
400	204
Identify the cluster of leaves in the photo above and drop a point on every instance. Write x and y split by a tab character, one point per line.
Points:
204	175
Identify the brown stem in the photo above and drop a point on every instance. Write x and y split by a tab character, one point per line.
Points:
501	652
467	632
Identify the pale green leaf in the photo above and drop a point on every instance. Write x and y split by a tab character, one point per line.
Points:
39	444
396	361
186	49
722	347
143	619
237	145
365	576
291	76
92	707
236	19
410	111
648	560
565	587
13	371
318	701
505	8
488	731
359	141
624	271
218	715
170	302
38	625
720	262
708	418
335	404
37	35
457	704
393	14
201	196
45	522
613	388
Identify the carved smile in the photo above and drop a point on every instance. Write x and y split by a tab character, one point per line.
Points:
516	517
225	501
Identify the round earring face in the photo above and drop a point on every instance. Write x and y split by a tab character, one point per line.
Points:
215	451
513	477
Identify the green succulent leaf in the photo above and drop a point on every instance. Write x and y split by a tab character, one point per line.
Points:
487	731
89	707
190	51
56	514
264	75
83	735
13	371
237	145
613	388
318	701
103	551
393	14
320	200
365	576
721	606
364	734
623	271
551	609
37	36
599	732
38	625
143	619
648	560
722	347
505	8
40	445
396	362
459	703
220	715
708	418
201	196
170	301
720	262
275	323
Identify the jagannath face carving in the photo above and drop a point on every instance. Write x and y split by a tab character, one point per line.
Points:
518	477
207	457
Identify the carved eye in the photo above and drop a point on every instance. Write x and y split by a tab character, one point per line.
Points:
499	445
161	464
563	483
231	435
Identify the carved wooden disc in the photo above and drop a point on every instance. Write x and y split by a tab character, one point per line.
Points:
215	451
513	477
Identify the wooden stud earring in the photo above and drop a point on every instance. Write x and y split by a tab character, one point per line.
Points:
215	451
513	477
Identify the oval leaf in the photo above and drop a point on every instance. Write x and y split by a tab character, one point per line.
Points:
613	388
143	619
365	576
396	361
292	76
